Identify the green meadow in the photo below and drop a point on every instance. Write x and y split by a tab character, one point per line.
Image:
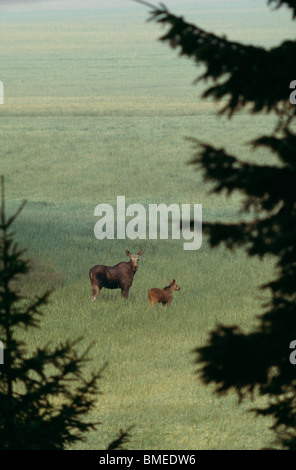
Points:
96	108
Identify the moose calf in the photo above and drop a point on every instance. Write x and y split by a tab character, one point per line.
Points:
120	276
163	296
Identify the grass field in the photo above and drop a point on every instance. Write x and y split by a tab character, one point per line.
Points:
96	108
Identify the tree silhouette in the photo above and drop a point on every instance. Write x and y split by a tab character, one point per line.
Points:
255	79
44	397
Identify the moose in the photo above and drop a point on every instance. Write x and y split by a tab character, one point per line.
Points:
163	296
120	276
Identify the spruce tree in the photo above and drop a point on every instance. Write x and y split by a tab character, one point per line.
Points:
44	397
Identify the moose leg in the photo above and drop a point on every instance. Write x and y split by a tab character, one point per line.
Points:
151	300
124	293
95	284
95	291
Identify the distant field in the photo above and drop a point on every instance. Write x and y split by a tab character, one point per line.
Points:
97	110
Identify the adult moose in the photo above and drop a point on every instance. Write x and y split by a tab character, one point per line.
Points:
120	276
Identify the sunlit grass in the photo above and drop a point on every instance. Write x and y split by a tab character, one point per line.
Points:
85	122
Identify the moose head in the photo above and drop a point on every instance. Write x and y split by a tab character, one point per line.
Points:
134	259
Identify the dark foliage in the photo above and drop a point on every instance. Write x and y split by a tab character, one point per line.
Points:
286	3
258	80
122	438
244	73
44	396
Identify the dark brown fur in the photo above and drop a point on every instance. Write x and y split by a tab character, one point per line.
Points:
163	296
120	276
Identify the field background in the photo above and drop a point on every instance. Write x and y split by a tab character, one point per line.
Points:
94	108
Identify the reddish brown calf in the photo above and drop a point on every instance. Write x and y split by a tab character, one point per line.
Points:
162	296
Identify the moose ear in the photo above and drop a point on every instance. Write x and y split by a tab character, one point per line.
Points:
170	280
140	253
127	253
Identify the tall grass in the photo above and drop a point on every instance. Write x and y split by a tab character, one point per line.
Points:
92	113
